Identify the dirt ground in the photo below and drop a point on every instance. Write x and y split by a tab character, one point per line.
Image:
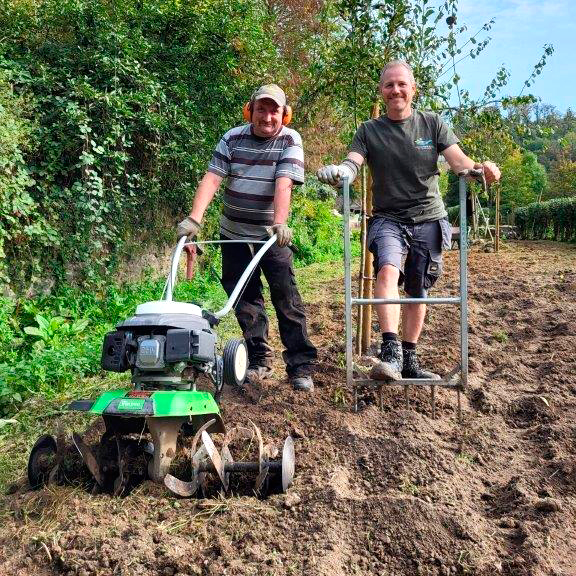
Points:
376	492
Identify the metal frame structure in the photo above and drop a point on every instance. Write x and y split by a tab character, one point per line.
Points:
457	378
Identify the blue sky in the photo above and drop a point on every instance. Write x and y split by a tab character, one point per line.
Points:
520	31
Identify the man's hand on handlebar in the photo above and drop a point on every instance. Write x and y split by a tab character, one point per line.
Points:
189	228
283	234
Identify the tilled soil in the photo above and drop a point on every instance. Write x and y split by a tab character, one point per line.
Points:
386	491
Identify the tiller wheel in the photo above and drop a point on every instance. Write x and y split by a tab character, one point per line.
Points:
269	473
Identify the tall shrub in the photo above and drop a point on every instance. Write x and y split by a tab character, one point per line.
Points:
554	219
129	99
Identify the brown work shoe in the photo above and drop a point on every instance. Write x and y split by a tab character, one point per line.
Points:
257	373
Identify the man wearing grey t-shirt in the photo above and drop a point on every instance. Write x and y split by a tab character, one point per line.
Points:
409	226
259	163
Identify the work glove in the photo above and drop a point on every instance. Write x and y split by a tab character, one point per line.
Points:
333	174
283	234
188	227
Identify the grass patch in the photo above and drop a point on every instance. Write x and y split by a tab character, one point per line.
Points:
44	408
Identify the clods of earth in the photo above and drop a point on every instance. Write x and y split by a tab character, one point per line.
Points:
381	491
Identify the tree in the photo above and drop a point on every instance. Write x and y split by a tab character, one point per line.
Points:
128	99
562	178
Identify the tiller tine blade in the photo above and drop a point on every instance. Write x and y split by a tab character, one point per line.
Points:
200	464
227	464
56	474
180	488
288	463
215	457
188	489
121	481
262	464
198	435
88	458
42	461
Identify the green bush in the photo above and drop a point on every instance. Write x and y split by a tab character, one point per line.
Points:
554	219
318	235
128	100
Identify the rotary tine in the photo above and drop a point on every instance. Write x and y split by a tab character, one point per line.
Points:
267	464
42	461
121	481
88	458
268	470
262	463
56	475
188	489
216	459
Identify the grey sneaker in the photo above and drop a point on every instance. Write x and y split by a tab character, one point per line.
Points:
302	383
390	365
411	367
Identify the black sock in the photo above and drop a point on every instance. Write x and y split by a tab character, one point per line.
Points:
408	345
389	336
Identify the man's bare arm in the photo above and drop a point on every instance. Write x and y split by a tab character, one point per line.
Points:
282	197
458	161
356	157
204	194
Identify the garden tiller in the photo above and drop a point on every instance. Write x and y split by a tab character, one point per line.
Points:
170	348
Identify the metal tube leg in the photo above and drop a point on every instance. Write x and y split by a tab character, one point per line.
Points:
459	413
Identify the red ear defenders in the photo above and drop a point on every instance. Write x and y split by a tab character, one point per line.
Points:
247	113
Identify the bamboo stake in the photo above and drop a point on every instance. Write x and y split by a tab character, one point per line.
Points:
497	225
368	288
361	274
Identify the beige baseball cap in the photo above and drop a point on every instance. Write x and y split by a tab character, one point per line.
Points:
272	91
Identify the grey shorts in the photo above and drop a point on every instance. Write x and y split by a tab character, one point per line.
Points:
415	249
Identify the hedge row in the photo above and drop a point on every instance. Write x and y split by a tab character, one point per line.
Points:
553	220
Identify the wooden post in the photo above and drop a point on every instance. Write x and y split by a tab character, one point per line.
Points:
361	273
497	219
368	288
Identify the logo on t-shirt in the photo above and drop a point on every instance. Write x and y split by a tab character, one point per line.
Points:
422	144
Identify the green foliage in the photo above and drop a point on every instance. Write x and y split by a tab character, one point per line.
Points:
501	336
23	230
128	100
9	331
563	167
554	219
453	214
523	181
318	230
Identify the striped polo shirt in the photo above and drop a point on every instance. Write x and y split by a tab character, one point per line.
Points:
250	165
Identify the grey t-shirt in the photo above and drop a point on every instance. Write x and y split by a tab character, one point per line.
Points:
250	166
403	158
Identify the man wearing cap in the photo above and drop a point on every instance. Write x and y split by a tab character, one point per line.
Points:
260	162
409	227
